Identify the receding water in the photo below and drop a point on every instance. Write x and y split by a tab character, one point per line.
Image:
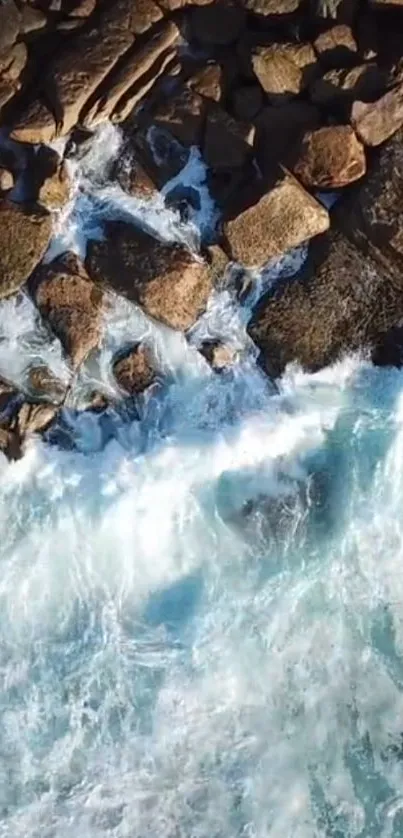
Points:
201	620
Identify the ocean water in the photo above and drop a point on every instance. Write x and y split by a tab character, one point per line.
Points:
201	612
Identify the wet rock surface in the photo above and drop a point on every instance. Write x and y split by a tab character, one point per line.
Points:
134	370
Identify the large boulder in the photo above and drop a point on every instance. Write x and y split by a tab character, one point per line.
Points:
340	302
164	279
283	218
330	158
24	237
72	305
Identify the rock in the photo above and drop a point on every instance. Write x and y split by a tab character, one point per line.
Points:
330	158
72	305
283	218
8	396
36	125
218	355
284	70
10	20
31	20
24	237
133	178
172	5
6	180
42	384
372	216
83	8
16	62
183	116
375	122
141	67
279	133
164	279
336	47
164	63
267	8
387	4
218	261
339	88
217	24
34	418
52	185
10	444
161	155
208	82
337	304
227	143
134	371
247	102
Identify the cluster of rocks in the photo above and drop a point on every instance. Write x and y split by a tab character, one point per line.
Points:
284	99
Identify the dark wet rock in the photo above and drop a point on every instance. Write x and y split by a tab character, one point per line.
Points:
208	82
36	124
219	355
372	216
50	179
15	63
164	279
24	237
32	20
375	122
160	154
134	370
42	384
72	305
279	132
8	396
227	142
83	8
132	177
135	75
10	444
336	47
340	302
283	218
6	179
173	5
330	158
217	24
34	418
247	101
284	70
183	116
339	88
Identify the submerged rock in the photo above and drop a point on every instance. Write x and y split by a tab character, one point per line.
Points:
165	279
219	355
134	370
72	305
24	237
284	217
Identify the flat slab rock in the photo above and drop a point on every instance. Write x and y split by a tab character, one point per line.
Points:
375	122
24	237
164	279
283	218
72	305
340	302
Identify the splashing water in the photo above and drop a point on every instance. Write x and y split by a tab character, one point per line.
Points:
202	623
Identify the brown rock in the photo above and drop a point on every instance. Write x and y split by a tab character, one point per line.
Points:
31	20
279	133
10	443
247	101
218	24
227	143
208	82
375	122
160	154
218	261
35	125
6	180
17	59
144	14
164	63
8	395
336	47
142	63
133	178
183	116
54	182
218	355
24	237
34	418
267	8
42	384
339	303
10	20
164	279
339	88
72	304
330	158
384	4
284	70
283	218
134	371
172	5
83	8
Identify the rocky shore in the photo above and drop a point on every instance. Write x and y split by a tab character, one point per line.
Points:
287	100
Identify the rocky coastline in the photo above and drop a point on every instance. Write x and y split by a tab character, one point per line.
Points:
288	101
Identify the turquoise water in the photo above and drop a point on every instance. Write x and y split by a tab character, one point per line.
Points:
201	630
